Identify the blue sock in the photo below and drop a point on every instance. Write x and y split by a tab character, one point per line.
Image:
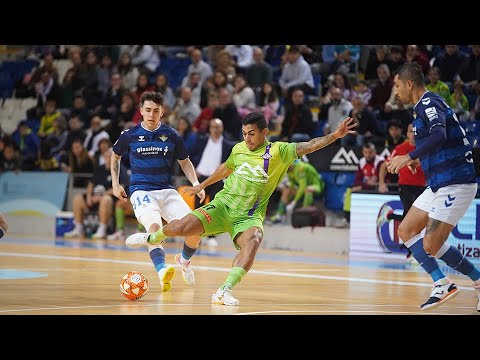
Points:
426	261
158	258
454	258
187	252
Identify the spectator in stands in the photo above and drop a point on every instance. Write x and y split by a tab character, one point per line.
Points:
394	109
94	134
197	88
337	111
242	56
186	107
127	73
342	81
243	96
225	64
198	66
413	54
269	102
367	175
475	112
80	109
28	144
98	197
10	159
86	79
227	112
46	121
145	58
259	72
458	101
220	80
46	88
304	183
66	92
184	128
121	209
379	56
202	121
435	84
53	147
75	131
298	121
113	99
396	58
346	59
127	116
395	134
104	73
469	71
78	161
142	85
381	92
364	91
449	63
366	130
161	85
209	152
296	74
103	146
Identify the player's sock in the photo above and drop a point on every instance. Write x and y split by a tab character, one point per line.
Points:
158	258
281	208
141	228
393	216
234	277
187	253
308	199
119	218
156	236
454	258
426	261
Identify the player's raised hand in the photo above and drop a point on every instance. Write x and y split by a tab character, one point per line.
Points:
345	127
201	195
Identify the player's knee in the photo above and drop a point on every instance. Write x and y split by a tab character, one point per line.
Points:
403	232
430	247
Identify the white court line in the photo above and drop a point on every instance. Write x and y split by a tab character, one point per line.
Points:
351	312
222	269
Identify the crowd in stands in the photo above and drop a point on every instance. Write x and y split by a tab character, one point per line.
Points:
303	90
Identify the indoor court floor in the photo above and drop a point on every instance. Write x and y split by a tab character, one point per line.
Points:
40	276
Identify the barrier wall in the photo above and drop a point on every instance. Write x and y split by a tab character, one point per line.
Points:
366	239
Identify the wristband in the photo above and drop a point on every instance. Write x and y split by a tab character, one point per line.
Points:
195	183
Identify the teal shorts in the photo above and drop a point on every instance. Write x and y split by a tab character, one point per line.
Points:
218	218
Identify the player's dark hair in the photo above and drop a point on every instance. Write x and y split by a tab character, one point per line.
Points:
255	118
154	96
412	72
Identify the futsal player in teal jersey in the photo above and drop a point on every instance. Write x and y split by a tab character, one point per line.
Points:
253	170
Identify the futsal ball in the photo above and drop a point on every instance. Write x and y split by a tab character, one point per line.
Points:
134	285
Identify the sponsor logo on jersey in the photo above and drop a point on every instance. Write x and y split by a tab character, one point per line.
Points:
431	113
256	174
152	150
204	213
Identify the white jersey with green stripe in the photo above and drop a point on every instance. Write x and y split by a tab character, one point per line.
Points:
255	176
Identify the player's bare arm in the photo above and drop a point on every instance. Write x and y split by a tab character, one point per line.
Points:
317	143
118	189
222	172
189	171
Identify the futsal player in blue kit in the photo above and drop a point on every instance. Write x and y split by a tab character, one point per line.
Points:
152	148
446	158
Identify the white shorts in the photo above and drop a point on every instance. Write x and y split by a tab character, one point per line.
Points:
151	206
448	204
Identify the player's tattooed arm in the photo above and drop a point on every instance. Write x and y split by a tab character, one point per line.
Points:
115	168
314	144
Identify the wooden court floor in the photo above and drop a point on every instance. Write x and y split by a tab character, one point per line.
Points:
41	276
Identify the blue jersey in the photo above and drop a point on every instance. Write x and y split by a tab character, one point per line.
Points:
452	163
151	155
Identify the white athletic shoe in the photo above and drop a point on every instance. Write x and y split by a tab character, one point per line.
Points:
117	235
137	240
477	287
75	233
165	275
382	218
187	272
224	297
440	294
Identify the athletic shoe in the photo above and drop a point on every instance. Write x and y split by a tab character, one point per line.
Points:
477	287
212	242
440	294
117	235
165	275
224	297
276	219
99	234
187	273
137	240
75	233
382	218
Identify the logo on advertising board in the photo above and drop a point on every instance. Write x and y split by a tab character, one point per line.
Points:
387	230
344	160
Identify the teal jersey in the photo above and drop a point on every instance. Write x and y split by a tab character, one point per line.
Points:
256	175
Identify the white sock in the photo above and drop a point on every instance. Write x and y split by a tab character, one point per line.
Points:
78	226
184	261
442	281
102	228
